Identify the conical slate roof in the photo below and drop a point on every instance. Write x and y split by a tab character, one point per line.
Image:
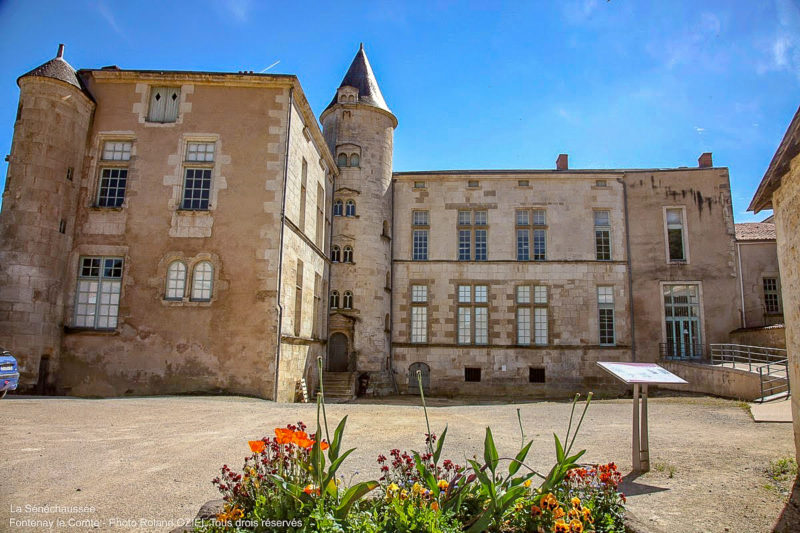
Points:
57	69
360	76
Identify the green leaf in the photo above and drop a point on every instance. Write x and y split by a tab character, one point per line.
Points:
510	497
426	475
482	523
333	451
490	455
517	462
559	450
574	458
353	494
335	466
439	445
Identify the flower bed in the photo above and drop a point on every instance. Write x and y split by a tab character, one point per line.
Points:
289	483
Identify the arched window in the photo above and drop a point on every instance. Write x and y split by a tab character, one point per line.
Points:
350	209
351	98
335	254
176	281
334	299
202	281
385	228
348	254
337	208
354	160
342	160
347	301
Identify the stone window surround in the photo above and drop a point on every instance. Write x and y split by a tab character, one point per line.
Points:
684	229
532	304
597	228
472	305
778	289
426	228
473	228
73	264
141	108
612	305
98	163
530	227
426	304
160	282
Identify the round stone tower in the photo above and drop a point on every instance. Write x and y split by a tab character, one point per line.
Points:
37	222
359	129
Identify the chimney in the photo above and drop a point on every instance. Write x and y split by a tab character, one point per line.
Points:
561	162
704	161
60	51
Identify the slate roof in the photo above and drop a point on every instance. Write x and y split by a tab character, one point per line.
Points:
755	231
360	76
57	69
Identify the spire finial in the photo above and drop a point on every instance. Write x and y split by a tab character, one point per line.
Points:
361	46
60	50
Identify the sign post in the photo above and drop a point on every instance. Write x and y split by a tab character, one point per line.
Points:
640	375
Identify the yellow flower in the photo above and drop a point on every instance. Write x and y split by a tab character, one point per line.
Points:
558	513
575	526
403	494
443	484
587	516
576	502
560	527
574	514
416	489
392	488
518	507
527	484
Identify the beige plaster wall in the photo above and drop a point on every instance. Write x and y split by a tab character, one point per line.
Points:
759	260
709	237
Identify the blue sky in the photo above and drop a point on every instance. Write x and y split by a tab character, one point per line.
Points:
475	84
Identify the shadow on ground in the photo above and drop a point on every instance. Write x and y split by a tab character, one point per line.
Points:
789	520
629	487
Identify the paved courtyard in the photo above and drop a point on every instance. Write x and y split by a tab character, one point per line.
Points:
152	459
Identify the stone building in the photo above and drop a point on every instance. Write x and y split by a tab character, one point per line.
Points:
168	232
759	274
780	190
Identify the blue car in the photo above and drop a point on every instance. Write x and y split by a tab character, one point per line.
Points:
9	373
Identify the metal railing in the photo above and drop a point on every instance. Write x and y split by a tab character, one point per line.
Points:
771	364
681	350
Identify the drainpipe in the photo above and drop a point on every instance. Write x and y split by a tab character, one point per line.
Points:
280	250
741	282
391	293
630	268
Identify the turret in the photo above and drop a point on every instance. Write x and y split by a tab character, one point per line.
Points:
359	129
38	217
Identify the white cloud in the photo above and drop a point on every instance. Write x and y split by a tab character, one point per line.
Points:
108	15
240	9
782	51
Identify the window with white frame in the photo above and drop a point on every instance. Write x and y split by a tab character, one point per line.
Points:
164	104
347	256
531	228
676	244
334	300
420	222
197	176
113	173
350	208
419	313
605	309
602	235
97	293
347	300
472	229
176	281
532	303
473	314
202	281
523	298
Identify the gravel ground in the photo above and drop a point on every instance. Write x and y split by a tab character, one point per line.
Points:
142	464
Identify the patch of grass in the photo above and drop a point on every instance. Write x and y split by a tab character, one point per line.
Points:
782	470
744	406
664	467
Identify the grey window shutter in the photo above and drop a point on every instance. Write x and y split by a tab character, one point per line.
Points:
173	99
158	102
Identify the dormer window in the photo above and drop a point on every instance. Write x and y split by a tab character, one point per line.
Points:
347	95
354	160
164	104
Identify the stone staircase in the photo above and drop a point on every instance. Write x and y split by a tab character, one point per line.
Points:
339	386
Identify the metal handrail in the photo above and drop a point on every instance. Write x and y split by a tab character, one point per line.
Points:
772	364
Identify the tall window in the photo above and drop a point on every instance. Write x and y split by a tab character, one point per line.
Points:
347	300
98	290
473	314
113	173
523	315
350	208
320	231
419	313
531	227
602	236
164	104
197	176
336	253
472	228
605	309
540	329
303	185
202	281
334	302
772	298
298	299
176	281
421	223
682	315
338	208
532	314
316	324
675	236
348	254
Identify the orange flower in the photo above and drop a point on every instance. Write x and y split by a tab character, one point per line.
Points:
560	527
324	445
576	526
435	506
311	490
256	446
587	515
558	513
300	438
284	435
574	514
536	510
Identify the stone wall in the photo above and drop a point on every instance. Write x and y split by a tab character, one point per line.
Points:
770	336
758	260
786	203
718	381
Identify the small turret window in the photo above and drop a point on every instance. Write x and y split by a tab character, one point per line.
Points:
336	254
342	160
350	209
338	206
348	254
354	160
